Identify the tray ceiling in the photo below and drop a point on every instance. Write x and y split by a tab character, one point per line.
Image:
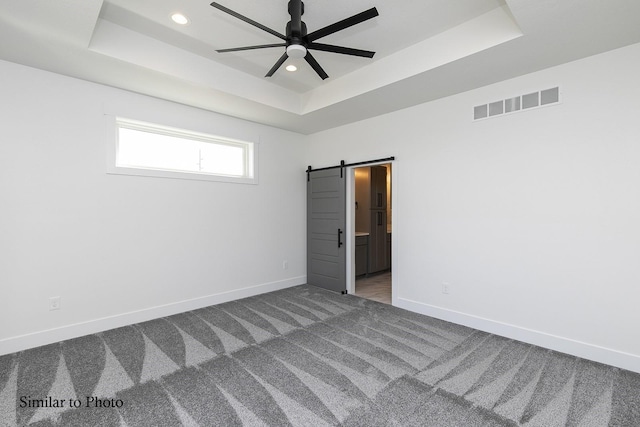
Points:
425	50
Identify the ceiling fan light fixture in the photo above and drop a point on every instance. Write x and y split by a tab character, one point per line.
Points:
291	68
296	51
179	19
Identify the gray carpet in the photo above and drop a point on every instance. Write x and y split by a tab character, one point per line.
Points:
308	357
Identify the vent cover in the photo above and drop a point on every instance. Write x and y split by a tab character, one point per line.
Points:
518	103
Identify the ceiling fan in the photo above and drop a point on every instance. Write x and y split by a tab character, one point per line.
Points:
297	42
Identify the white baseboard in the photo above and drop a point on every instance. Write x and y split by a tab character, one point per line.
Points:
592	352
36	339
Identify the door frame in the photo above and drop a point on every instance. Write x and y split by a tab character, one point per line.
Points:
351	227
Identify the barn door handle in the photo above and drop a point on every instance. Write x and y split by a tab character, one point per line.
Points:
339	237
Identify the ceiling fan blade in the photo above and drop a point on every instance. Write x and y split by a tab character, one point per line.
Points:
262	46
341	25
277	64
340	49
247	20
295	10
314	64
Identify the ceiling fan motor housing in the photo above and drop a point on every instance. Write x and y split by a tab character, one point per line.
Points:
292	37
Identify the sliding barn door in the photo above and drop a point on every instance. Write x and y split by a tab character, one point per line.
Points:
326	223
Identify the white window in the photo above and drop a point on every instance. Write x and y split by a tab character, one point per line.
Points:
152	150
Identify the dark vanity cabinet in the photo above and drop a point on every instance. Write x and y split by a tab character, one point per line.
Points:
362	254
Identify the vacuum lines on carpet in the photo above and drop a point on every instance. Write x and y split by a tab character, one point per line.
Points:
308	357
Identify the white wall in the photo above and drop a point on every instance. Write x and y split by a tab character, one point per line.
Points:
120	249
533	218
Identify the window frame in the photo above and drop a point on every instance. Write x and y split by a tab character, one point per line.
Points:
116	123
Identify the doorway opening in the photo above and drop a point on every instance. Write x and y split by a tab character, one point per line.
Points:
372	225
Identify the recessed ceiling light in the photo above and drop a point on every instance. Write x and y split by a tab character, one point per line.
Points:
179	18
291	67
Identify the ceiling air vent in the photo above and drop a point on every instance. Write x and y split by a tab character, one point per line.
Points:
518	103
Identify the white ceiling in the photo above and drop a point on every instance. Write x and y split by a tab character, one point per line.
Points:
425	50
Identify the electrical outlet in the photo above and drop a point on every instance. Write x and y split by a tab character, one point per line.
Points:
445	287
285	265
54	303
